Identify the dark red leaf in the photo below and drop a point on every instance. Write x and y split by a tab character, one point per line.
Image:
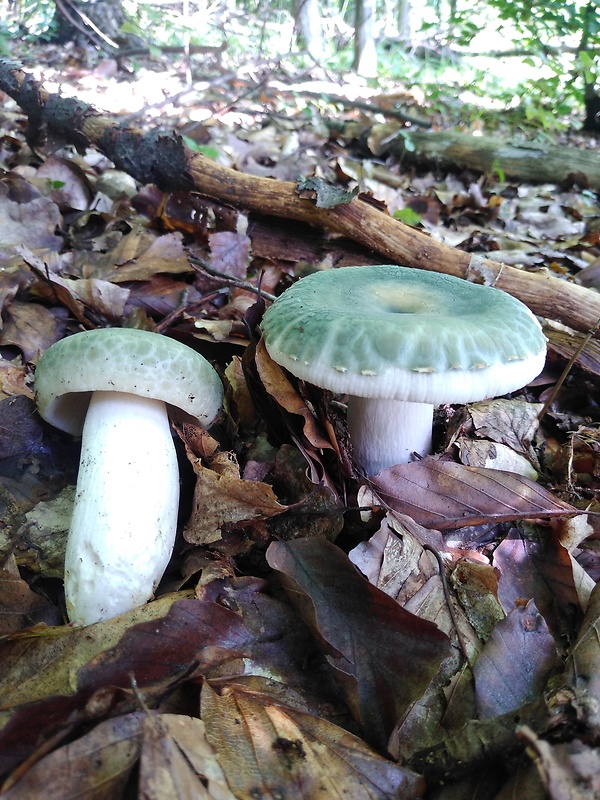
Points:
193	634
383	656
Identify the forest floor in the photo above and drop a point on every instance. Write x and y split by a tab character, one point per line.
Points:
463	659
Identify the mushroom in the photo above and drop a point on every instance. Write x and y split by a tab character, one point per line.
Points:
113	386
399	341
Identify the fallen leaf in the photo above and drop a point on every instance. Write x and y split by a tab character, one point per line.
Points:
569	771
510	422
583	665
229	253
271	751
14	379
44	661
194	634
177	762
26	217
281	390
366	636
515	663
224	501
32	328
96	766
20	606
446	496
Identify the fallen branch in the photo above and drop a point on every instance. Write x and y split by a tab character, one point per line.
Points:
533	162
159	158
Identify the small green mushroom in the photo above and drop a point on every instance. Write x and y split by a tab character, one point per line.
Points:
112	387
399	341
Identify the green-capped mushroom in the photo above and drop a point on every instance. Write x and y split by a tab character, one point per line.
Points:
113	387
399	341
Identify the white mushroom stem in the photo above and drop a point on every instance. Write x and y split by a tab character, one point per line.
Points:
388	432
125	516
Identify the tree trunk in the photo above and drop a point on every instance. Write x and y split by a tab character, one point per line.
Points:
365	55
525	161
309	28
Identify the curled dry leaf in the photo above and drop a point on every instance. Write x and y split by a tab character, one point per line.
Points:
13	379
270	750
31	328
279	387
515	662
221	500
367	637
447	496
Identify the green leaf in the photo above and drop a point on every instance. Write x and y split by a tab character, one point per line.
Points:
408	216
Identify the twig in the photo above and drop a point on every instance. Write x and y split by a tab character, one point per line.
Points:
205	267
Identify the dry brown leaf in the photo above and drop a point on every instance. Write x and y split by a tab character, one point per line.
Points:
510	422
271	751
32	328
229	253
225	500
95	767
447	496
177	761
280	389
19	605
406	571
153	255
366	636
13	379
31	219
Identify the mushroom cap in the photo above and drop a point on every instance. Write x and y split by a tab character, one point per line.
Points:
123	360
406	334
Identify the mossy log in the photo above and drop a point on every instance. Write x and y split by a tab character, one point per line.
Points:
526	161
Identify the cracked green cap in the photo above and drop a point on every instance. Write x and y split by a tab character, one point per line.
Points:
400	333
123	360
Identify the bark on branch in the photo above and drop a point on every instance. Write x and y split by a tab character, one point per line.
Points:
162	159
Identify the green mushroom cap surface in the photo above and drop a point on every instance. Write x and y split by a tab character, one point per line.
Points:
123	360
400	333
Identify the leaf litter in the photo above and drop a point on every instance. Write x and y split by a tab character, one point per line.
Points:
268	665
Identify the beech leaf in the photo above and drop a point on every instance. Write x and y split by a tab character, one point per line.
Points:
446	496
95	766
368	639
270	750
515	662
